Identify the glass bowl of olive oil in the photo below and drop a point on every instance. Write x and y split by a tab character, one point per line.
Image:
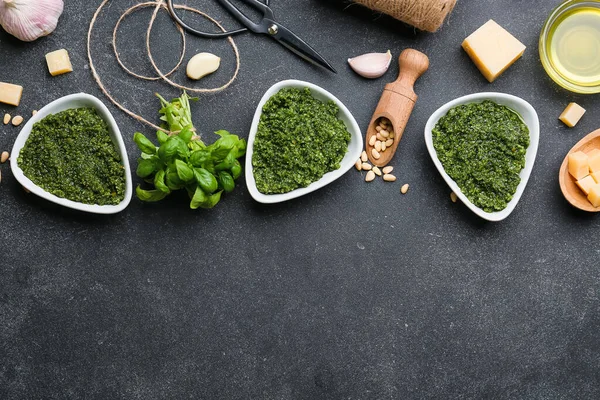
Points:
570	45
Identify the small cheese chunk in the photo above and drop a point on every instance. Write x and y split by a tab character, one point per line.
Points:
572	114
493	49
585	184
578	165
594	195
594	160
10	94
596	176
58	62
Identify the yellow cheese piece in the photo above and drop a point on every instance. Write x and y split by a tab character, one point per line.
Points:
493	49
594	160
572	114
585	184
594	195
58	62
10	94
579	166
596	176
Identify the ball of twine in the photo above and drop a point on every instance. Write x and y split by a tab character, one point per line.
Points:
427	15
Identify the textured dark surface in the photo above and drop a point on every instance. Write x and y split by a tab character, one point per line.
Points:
354	291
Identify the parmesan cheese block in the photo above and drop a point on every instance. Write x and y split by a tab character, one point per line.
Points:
596	176
585	184
579	166
594	195
572	114
493	49
10	94
58	62
594	160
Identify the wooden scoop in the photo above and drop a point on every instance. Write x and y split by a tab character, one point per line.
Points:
397	102
570	190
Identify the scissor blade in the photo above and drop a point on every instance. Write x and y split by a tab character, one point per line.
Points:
292	42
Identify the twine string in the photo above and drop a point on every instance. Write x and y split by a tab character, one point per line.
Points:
427	15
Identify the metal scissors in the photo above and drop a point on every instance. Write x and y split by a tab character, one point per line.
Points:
267	25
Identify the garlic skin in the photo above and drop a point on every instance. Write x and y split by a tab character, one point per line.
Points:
28	20
371	65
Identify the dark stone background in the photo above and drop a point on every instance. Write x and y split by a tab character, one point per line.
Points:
353	291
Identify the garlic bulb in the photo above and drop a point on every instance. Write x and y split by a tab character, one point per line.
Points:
28	20
371	65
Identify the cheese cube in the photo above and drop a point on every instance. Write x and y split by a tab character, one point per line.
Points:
572	114
596	176
58	62
585	184
578	165
10	94
594	160
493	49
594	195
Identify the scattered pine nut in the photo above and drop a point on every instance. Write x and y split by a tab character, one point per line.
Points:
389	178
372	140
453	197
404	188
379	137
383	146
378	145
370	176
358	165
366	166
378	128
389	143
385	134
16	121
4	157
6	118
388	169
363	156
375	154
33	112
377	171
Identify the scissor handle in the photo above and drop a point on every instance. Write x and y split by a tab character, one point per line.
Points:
267	13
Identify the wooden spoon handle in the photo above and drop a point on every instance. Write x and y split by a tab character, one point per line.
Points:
413	64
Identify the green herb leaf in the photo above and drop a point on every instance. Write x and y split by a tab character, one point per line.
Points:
226	181
161	136
199	157
144	144
147	166
186	134
185	173
206	180
236	169
149	195
159	181
198	199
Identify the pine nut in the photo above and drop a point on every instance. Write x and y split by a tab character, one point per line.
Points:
366	166
379	137
383	146
389	178
404	188
388	169
363	156
6	118
16	121
33	112
372	140
378	128
370	176
385	134
375	154
4	157
453	197
377	171
392	135
378	145
389	142
358	165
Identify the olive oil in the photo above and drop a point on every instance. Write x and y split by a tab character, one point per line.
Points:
573	46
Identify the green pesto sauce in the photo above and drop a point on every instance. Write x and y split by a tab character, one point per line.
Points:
299	139
482	147
71	155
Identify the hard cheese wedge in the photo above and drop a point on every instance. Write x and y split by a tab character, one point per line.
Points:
58	62
594	195
585	184
579	166
572	114
594	160
10	94
493	49
596	176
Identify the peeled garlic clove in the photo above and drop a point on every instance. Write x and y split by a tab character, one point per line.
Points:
202	64
28	20
371	65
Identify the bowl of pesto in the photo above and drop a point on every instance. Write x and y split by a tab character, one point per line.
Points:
302	138
72	153
484	146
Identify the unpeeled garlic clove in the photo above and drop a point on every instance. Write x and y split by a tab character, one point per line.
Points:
201	65
28	20
371	65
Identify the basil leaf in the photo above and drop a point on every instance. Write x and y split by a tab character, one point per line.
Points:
198	157
149	195
198	199
206	180
168	150
172	178
144	144
159	181
241	148
147	166
236	169
212	200
184	172
186	135
161	136
226	181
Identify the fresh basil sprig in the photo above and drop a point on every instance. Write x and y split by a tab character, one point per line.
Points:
183	161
